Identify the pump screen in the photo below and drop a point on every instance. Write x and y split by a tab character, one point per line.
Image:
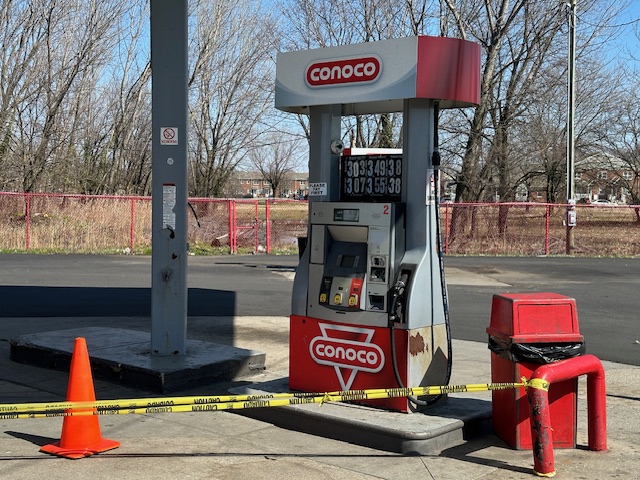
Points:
375	178
346	215
348	261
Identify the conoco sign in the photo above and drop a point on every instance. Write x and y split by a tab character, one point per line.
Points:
377	77
336	72
347	356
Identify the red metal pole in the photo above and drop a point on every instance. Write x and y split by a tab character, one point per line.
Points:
132	228
267	213
546	230
541	431
597	409
446	228
232	226
538	393
256	227
27	221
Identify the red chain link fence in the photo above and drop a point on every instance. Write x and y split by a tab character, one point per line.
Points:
539	229
73	223
117	224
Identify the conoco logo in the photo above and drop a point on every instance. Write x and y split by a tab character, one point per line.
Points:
348	354
335	72
336	348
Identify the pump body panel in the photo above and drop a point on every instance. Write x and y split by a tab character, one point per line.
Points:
328	356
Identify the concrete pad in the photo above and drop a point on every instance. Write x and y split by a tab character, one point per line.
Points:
440	427
457	276
123	356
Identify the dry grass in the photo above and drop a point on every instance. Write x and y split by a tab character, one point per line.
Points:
70	224
74	224
601	230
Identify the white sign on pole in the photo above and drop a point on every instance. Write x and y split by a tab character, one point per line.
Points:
317	189
168	206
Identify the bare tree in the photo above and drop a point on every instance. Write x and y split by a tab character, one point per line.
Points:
75	89
22	35
522	41
230	87
325	23
129	106
490	26
68	58
623	145
542	156
82	164
276	162
75	93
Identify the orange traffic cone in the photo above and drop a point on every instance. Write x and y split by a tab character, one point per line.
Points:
80	434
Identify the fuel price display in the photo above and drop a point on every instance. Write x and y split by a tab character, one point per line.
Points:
374	178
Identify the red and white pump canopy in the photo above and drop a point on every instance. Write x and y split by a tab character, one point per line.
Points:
376	77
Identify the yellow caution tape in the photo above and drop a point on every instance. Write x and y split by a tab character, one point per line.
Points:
228	402
538	384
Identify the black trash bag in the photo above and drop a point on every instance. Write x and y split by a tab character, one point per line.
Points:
539	353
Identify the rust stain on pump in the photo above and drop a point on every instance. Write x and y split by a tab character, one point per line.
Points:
416	344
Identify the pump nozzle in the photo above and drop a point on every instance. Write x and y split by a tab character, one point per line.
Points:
401	284
436	159
396	295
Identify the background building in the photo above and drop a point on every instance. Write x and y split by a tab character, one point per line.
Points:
252	185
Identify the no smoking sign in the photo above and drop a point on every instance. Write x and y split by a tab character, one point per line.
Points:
168	136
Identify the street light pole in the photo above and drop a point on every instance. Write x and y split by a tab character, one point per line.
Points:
571	107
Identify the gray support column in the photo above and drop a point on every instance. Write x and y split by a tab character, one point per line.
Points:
426	307
417	147
169	65
324	166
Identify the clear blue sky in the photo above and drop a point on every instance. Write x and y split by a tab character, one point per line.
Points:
627	43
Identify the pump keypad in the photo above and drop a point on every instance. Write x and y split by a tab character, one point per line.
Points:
342	293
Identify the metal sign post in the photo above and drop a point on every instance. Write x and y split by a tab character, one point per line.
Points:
169	33
571	108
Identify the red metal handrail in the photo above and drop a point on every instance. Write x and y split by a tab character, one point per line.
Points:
538	393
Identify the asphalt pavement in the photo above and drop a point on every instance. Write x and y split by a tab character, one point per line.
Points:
226	445
605	289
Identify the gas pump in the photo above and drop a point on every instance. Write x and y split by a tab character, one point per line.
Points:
369	299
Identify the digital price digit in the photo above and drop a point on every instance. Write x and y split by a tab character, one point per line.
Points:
371	178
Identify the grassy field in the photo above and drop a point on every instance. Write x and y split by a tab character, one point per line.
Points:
76	224
540	230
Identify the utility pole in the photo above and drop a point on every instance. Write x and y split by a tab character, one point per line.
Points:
571	107
169	30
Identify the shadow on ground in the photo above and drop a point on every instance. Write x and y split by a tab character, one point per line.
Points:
28	301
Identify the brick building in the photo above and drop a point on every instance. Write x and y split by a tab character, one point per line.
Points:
600	177
605	177
252	185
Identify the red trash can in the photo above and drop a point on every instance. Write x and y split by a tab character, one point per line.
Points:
527	330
